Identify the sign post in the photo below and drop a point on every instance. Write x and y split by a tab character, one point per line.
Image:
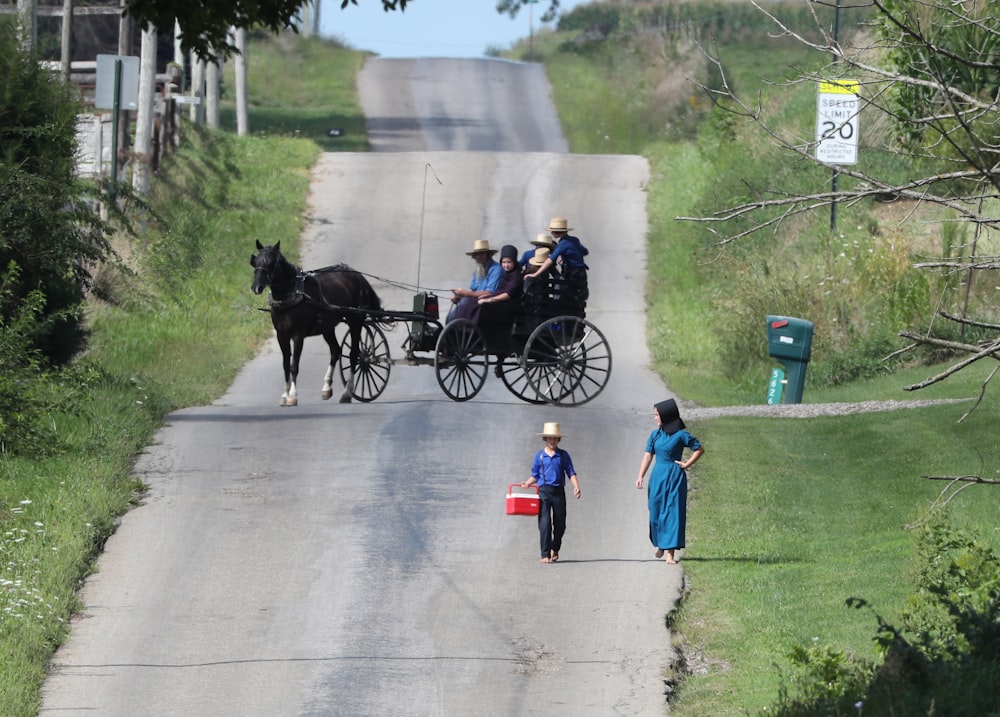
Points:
117	87
837	110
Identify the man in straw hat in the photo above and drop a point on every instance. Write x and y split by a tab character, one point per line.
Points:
541	240
568	252
485	279
568	255
549	471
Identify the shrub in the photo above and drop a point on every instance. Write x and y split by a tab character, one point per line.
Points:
49	232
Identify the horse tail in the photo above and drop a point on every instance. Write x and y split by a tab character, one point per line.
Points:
369	299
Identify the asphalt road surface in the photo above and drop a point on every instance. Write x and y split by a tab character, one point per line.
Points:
356	559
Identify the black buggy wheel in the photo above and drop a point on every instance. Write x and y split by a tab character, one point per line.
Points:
374	364
460	360
514	376
567	360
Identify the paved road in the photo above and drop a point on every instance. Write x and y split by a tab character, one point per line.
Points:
337	559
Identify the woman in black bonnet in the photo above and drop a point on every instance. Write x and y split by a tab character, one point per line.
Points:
667	490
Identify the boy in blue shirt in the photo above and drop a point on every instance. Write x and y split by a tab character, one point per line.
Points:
550	469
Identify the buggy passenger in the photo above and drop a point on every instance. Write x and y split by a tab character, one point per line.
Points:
504	304
485	280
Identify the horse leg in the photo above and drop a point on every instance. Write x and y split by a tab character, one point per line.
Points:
331	341
292	395
284	344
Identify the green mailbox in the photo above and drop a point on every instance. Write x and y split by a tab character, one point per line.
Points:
790	341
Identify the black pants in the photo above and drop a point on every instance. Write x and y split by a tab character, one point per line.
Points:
551	518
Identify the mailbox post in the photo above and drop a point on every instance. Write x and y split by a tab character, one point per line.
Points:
790	341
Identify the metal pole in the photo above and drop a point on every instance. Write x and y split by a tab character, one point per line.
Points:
836	173
833	204
112	187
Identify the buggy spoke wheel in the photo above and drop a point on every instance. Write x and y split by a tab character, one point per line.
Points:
512	372
567	360
460	361
374	364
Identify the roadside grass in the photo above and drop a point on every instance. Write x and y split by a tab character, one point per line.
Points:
790	517
182	327
301	87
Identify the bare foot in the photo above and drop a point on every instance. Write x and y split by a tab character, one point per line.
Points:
544	560
659	552
670	558
553	557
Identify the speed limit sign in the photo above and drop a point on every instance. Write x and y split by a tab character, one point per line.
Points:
837	121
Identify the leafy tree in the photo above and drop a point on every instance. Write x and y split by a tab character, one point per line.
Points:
49	233
931	69
205	25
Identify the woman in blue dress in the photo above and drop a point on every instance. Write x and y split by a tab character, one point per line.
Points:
667	491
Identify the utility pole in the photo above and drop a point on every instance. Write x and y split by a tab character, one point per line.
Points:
66	40
240	74
213	74
142	155
531	28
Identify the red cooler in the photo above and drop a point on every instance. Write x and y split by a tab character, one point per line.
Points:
522	501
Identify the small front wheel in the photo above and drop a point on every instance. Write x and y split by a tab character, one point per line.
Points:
460	360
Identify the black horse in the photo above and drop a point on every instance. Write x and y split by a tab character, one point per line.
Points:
312	303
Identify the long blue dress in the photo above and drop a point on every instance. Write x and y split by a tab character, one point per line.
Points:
667	488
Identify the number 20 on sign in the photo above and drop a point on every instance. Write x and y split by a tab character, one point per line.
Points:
837	110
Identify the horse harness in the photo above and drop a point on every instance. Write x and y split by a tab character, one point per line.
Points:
300	294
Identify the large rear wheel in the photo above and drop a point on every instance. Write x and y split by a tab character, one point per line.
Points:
460	360
374	364
567	361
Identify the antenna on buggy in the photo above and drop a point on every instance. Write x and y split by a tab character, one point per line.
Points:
423	203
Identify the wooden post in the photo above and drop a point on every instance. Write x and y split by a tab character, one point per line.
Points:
121	140
198	89
142	156
212	80
66	42
240	71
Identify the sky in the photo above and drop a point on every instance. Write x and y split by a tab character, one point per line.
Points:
431	28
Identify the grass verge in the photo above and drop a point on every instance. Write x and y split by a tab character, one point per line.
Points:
176	338
790	517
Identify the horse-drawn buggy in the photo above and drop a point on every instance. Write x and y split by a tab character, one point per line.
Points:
542	347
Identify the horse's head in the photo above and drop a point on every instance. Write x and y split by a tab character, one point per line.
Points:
266	262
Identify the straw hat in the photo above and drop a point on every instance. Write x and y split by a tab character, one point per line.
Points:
544	240
551	430
481	245
559	224
540	257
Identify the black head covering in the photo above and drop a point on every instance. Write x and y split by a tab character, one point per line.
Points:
509	251
670	416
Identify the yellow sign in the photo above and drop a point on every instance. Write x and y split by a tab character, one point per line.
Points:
840	87
837	110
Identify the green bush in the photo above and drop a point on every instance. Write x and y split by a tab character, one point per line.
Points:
941	659
49	233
